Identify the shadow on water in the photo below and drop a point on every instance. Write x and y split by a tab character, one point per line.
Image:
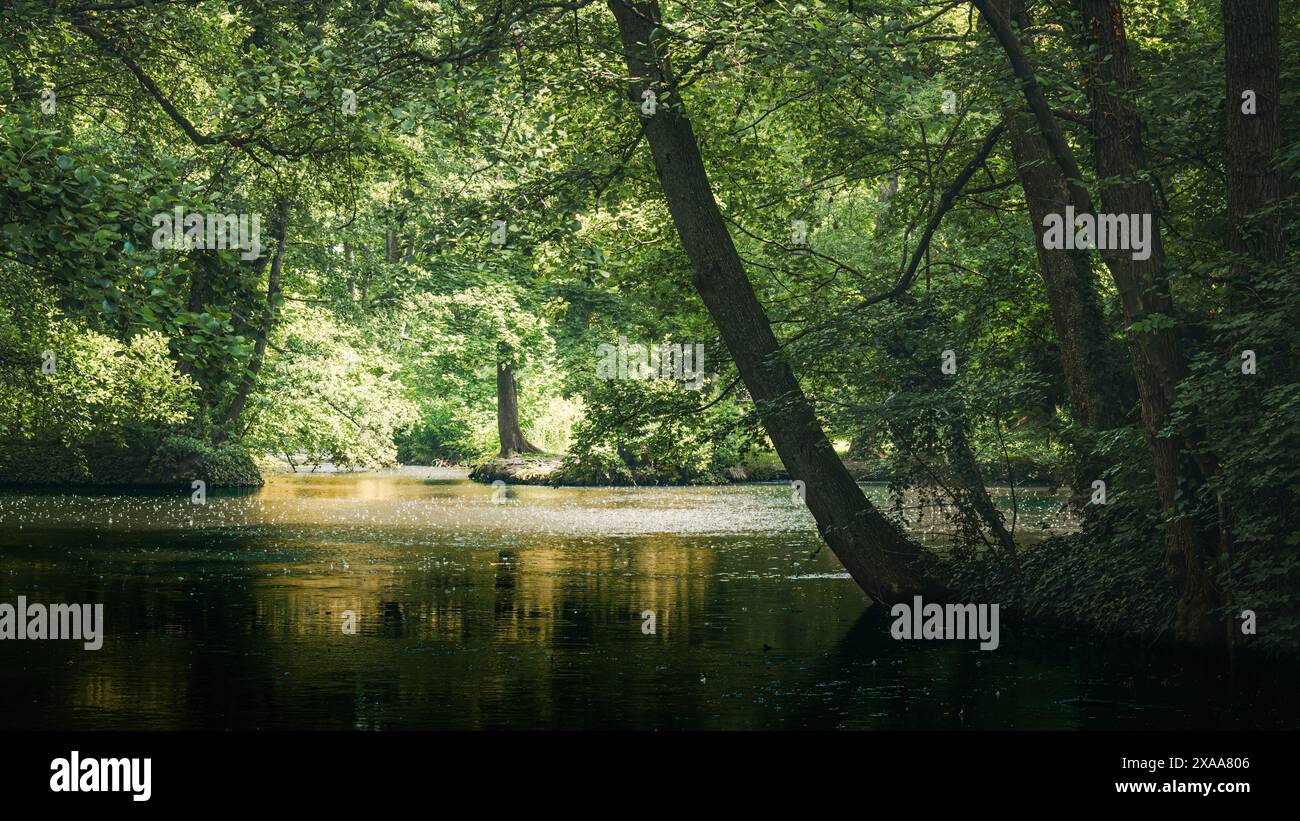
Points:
1049	679
526	613
180	491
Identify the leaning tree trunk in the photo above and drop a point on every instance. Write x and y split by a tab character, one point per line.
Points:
1067	274
1068	281
1094	384
512	436
875	552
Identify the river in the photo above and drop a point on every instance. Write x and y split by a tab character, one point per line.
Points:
469	607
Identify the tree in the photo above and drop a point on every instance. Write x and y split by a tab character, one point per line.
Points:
1252	136
1067	274
512	436
1159	362
879	557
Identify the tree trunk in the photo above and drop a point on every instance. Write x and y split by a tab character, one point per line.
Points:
200	295
236	408
1190	544
1068	281
966	471
1250	36
1067	275
1252	138
512	436
882	560
1094	385
1158	361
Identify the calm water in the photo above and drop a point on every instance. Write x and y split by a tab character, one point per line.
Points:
526	613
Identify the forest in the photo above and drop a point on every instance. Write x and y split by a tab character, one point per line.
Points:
950	246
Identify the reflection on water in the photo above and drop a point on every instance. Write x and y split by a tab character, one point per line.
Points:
527	613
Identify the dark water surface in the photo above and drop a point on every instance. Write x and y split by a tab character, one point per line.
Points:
526	613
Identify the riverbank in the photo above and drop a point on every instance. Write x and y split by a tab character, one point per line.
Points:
138	459
552	470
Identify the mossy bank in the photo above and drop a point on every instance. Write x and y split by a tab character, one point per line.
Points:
142	459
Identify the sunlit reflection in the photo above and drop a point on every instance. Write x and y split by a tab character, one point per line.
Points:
411	599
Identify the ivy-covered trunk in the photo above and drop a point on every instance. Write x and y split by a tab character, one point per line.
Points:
1191	536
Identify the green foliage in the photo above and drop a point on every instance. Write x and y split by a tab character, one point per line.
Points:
653	432
1107	578
441	434
180	458
325	399
1255	445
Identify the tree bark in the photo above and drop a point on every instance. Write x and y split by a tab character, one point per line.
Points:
1157	356
883	561
512	436
1070	287
1068	278
966	471
1095	386
240	401
1251	36
1191	545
